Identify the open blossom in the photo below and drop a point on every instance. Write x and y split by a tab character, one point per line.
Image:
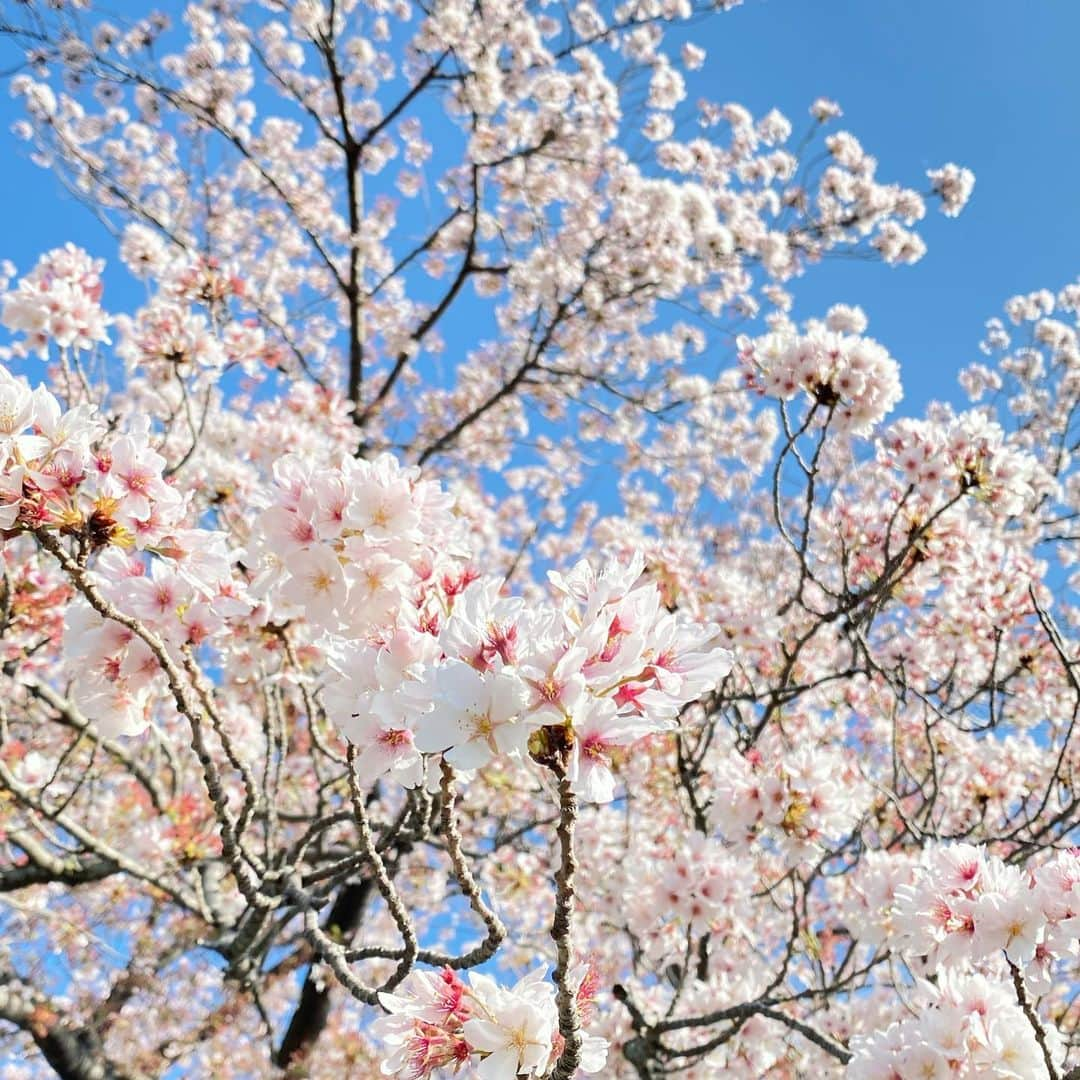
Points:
159	597
968	453
383	508
316	584
599	733
131	473
18	406
603	662
516	1034
422	1028
436	1020
852	378
801	800
964	906
954	185
118	706
58	302
968	1025
486	629
475	716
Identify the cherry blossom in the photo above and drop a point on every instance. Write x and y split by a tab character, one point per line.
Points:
457	622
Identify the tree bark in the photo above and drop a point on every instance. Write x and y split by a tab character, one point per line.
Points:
74	1051
314	1008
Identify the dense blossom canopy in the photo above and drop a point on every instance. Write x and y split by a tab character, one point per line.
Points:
458	623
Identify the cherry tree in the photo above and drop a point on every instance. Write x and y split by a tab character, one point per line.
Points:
459	623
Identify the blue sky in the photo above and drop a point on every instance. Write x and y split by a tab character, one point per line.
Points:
991	84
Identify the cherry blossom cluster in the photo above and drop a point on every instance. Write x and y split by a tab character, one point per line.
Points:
188	325
473	674
851	377
960	1027
61	474
169	334
436	1020
293	533
978	927
703	886
185	595
59	303
347	546
801	798
47	462
964	906
965	452
850	195
954	184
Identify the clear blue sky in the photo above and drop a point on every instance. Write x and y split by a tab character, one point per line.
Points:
991	84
